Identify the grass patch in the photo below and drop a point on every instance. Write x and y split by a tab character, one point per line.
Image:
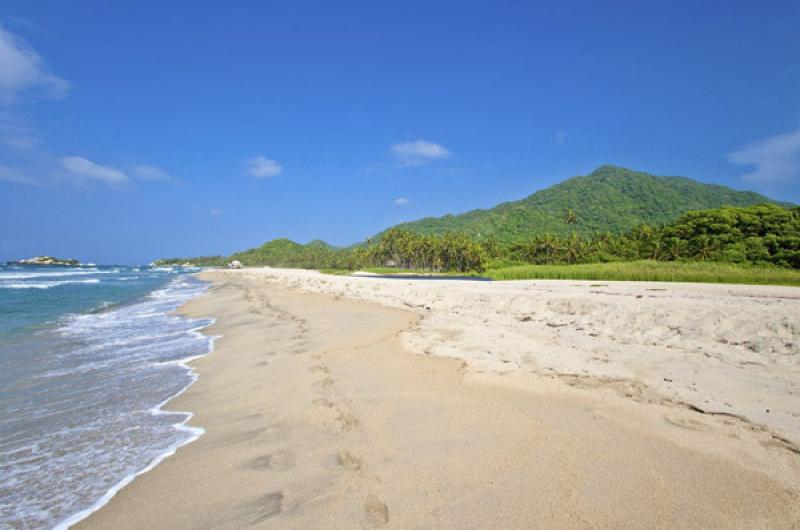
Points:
389	271
653	271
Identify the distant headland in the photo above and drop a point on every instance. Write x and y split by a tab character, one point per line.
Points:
45	260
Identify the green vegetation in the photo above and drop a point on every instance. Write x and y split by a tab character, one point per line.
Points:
762	234
756	244
655	271
396	250
387	271
199	261
610	199
286	253
585	228
405	250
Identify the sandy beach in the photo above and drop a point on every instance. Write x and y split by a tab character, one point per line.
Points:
343	402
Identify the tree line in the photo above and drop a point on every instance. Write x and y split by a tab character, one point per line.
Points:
758	234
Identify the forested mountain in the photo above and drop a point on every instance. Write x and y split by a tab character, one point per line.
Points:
613	214
287	253
610	199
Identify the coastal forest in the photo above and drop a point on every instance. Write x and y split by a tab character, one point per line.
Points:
586	222
609	199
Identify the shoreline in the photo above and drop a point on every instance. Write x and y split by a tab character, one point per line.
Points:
86	369
194	431
330	422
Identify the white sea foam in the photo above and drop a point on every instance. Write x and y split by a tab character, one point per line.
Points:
49	274
193	434
85	439
44	284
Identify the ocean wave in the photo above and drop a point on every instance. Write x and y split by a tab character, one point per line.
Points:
75	423
45	284
49	274
193	433
103	306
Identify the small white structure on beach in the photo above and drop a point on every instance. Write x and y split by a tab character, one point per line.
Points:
235	264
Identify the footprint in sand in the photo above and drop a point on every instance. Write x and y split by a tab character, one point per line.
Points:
278	460
323	402
377	512
320	368
347	421
349	460
266	506
323	385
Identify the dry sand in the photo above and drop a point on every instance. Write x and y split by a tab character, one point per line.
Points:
476	405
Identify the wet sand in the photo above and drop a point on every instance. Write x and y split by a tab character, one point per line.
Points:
320	412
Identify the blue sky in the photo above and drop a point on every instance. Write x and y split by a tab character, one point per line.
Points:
133	130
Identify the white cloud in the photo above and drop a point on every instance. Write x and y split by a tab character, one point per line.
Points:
561	137
262	167
401	201
419	152
151	173
10	174
22	70
776	160
17	135
83	169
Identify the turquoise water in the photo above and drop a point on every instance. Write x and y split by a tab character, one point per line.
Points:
88	355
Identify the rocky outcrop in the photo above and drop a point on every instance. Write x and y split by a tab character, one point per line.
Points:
45	260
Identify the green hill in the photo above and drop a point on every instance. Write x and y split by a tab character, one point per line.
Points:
287	253
611	199
277	253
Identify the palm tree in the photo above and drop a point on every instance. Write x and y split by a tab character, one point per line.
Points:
548	245
601	243
570	217
492	246
528	250
675	248
656	248
704	247
574	248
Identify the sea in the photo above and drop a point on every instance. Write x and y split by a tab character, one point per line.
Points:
90	357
